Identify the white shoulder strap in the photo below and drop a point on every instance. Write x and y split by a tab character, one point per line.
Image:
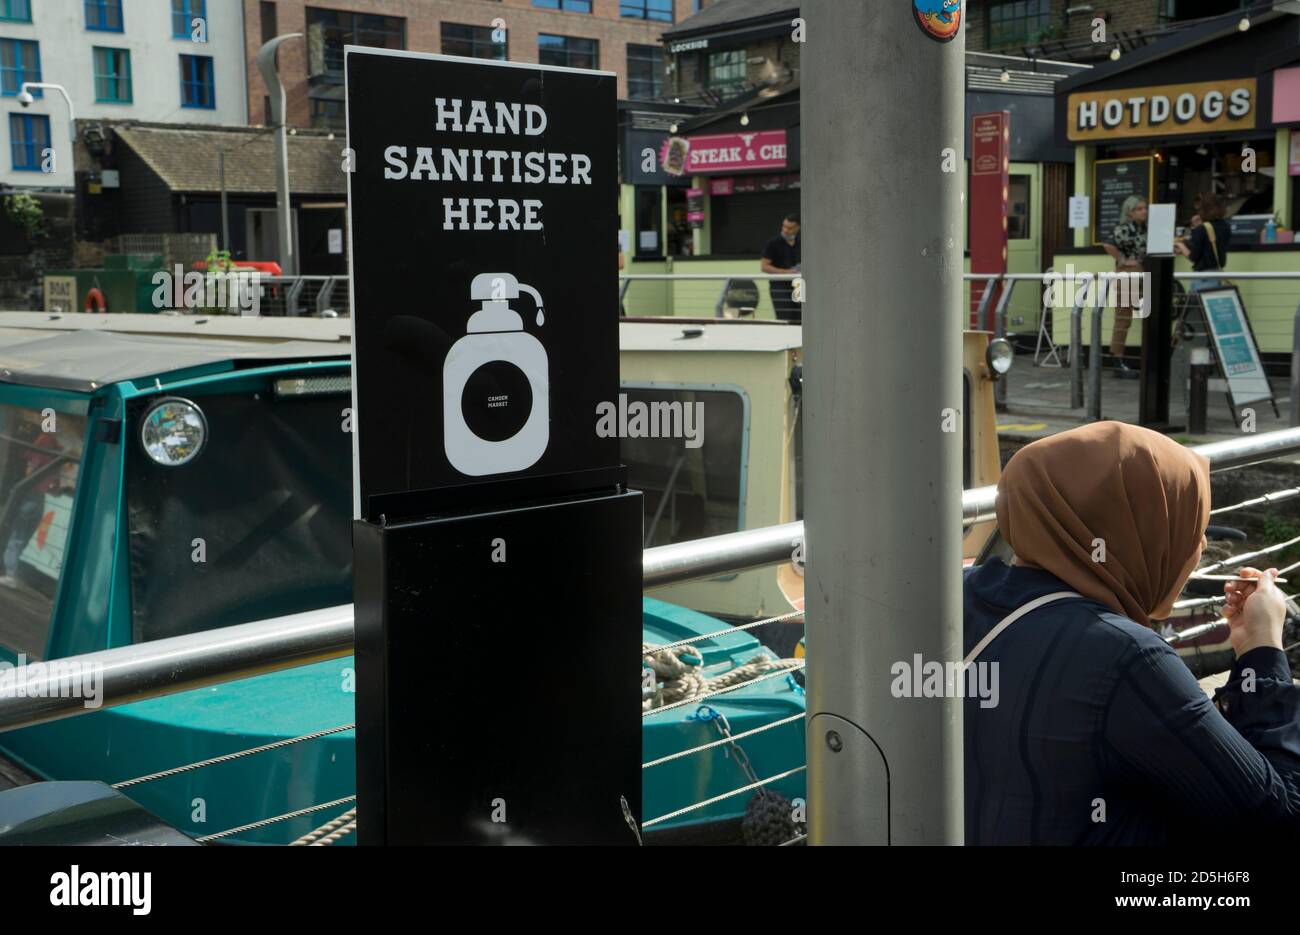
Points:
1013	617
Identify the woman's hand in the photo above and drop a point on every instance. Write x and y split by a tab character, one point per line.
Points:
1181	248
1255	611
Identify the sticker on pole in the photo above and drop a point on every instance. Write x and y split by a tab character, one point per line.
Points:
940	19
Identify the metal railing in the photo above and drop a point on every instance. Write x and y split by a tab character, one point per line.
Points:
1096	346
295	296
183	663
739	297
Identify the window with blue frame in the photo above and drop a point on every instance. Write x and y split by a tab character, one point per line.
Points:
20	60
197	86
184	13
104	15
569	6
112	76
16	11
658	10
29	137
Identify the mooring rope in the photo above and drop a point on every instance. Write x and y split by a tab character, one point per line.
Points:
331	831
684	682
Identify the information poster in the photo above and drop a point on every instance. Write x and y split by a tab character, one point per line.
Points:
1113	182
1235	346
483	206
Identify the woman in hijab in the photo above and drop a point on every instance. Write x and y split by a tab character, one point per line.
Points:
1101	735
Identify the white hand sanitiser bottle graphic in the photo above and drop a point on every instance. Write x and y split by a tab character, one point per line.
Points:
495	389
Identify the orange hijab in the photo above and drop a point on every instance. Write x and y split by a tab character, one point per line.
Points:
1144	495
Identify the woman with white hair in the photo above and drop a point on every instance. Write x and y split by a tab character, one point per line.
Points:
1127	244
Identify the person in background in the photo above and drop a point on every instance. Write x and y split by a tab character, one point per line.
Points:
1102	734
1127	244
1207	244
782	255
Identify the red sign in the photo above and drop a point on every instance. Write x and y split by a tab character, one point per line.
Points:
990	164
736	152
725	186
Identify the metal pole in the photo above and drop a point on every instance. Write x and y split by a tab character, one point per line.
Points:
183	663
225	217
1198	391
25	89
275	90
1000	331
1094	365
1076	356
883	505
982	311
717	555
138	672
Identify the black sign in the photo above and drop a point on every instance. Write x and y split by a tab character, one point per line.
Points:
1114	181
483	203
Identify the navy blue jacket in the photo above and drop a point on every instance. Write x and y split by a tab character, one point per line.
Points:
1102	736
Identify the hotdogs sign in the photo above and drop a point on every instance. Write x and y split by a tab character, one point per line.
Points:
1164	110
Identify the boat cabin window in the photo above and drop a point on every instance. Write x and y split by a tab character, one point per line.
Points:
687	457
40	459
257	525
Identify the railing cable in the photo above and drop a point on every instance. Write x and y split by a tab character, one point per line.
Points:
726	795
278	818
226	758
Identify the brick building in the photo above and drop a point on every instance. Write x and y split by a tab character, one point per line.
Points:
615	35
1065	29
732	48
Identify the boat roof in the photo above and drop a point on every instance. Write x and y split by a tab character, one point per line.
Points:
679	334
83	352
85	360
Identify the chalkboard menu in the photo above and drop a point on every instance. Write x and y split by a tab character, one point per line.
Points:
1113	181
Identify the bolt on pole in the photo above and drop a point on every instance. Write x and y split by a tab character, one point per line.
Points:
883	238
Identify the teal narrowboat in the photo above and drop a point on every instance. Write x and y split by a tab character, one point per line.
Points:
166	475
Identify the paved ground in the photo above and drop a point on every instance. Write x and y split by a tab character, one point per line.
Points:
1038	404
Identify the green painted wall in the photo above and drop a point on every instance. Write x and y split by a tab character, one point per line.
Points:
1271	304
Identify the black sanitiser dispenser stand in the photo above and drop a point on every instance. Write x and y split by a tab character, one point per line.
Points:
497	572
498	699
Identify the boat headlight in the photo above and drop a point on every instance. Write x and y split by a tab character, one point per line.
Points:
173	432
999	356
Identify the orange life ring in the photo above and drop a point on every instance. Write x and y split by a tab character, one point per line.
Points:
95	301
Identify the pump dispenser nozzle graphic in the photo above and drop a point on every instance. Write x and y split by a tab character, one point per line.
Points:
480	385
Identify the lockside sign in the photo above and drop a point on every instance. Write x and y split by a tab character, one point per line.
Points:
483	203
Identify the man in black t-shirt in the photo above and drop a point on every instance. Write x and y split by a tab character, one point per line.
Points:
781	255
